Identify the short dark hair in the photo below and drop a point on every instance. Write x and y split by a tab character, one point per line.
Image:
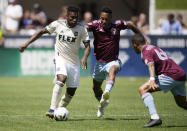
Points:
138	39
73	9
107	10
171	16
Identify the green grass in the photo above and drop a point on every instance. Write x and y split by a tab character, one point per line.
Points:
23	102
171	4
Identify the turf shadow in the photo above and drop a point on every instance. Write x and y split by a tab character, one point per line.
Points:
174	126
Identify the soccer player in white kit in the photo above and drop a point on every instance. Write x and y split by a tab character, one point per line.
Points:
69	34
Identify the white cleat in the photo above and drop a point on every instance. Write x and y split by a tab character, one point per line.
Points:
100	111
105	97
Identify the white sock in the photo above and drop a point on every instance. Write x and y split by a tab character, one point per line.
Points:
109	85
149	103
155	116
65	100
57	89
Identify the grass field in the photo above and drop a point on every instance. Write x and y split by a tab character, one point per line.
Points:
171	4
23	102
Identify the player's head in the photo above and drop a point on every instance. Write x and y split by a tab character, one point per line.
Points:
105	17
72	16
138	41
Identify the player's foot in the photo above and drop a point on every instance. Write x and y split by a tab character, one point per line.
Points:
50	113
105	97
100	111
153	122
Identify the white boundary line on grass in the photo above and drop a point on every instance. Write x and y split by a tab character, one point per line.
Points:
89	115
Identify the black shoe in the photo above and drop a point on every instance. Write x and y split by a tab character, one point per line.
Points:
153	122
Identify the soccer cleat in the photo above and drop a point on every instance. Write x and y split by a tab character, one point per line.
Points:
105	97
100	111
50	113
153	122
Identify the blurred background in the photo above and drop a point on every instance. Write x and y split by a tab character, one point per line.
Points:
164	23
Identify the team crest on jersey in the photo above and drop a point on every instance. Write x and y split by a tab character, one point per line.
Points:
76	33
113	31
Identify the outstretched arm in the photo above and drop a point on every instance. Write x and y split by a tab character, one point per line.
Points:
131	26
86	54
152	83
36	35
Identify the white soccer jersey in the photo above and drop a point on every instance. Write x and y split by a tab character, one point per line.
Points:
68	40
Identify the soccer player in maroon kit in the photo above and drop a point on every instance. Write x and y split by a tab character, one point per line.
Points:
165	75
106	49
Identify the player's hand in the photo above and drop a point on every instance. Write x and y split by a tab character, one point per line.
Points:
153	85
84	63
22	48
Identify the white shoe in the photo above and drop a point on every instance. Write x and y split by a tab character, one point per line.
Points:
105	97
100	111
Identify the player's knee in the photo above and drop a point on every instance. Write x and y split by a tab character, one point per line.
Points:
61	78
141	90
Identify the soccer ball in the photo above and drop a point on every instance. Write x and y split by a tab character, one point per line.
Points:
61	114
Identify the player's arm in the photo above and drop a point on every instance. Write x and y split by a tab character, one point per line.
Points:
86	54
131	26
151	68
36	35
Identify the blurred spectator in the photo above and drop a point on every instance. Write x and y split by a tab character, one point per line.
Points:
63	14
27	27
180	19
38	16
142	24
171	26
26	22
2	38
13	15
87	17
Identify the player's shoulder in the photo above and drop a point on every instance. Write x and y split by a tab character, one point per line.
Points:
118	22
61	22
148	49
95	22
80	25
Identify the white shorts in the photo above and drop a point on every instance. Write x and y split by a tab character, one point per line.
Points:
71	71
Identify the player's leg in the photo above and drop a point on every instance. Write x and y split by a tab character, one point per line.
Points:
109	83
61	76
66	98
181	101
57	90
179	93
97	89
112	69
145	93
72	83
98	78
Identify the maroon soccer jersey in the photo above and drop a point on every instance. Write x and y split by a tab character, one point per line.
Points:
163	64
106	42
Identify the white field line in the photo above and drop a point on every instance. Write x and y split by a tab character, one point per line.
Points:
90	115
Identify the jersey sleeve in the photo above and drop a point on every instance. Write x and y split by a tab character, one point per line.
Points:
122	24
85	36
148	57
51	27
91	25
